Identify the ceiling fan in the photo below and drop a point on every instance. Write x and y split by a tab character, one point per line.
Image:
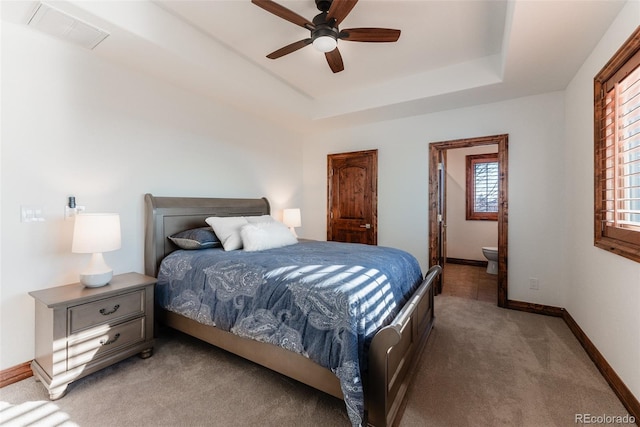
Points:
324	29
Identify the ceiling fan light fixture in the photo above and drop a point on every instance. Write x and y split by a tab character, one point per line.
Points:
325	43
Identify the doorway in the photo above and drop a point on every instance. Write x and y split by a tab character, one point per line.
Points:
437	203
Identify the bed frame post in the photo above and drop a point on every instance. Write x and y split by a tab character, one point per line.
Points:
150	233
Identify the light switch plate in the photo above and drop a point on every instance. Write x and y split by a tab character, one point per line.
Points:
31	213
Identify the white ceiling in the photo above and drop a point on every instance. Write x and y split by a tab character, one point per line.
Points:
450	54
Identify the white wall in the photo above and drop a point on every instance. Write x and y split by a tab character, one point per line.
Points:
465	238
536	174
75	124
603	293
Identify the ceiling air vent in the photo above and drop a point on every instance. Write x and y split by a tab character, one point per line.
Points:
59	24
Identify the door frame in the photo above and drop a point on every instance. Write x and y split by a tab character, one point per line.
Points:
435	150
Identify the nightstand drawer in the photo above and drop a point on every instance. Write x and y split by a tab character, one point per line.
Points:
106	310
94	344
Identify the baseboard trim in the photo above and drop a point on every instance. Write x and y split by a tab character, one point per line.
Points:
618	386
15	374
462	261
547	310
628	400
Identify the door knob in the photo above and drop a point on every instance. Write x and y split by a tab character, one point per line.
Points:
367	226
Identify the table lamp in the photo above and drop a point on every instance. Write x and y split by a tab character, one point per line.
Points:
291	218
95	233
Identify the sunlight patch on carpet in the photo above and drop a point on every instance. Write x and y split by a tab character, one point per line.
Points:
34	413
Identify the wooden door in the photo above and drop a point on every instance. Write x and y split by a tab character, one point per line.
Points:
352	211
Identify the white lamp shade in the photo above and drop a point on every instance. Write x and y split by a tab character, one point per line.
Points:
291	218
96	233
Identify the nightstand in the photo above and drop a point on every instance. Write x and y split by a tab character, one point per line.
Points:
81	330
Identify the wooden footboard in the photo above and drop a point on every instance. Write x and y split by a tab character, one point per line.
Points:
394	352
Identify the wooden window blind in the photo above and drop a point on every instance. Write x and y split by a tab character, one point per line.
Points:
617	152
482	186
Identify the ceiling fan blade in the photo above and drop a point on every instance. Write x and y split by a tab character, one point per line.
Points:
373	35
340	9
289	48
335	60
284	13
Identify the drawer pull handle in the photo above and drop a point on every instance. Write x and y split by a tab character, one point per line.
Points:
106	313
107	342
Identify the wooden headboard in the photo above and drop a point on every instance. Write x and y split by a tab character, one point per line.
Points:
165	216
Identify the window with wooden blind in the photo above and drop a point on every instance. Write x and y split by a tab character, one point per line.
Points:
617	152
482	187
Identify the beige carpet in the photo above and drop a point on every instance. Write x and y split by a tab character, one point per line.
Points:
483	366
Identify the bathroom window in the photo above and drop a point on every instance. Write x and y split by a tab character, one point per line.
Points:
482	187
617	152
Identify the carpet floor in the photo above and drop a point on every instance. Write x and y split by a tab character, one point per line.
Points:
483	366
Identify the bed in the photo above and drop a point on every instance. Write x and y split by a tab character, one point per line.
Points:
386	353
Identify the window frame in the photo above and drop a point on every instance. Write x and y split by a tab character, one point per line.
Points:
621	241
471	161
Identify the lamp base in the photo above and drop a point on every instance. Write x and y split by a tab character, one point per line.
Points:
97	274
96	280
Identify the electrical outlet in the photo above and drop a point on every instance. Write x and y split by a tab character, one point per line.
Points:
534	283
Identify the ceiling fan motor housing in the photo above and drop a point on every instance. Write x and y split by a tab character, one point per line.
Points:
322	27
324	31
323	5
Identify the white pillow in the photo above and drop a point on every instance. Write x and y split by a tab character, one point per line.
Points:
266	235
228	230
260	218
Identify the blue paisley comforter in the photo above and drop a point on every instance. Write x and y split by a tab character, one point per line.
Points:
323	300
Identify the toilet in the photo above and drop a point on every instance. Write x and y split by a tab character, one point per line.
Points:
491	254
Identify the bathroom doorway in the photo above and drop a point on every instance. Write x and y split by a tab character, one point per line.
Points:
437	205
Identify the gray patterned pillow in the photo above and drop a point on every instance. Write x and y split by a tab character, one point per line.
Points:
195	238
